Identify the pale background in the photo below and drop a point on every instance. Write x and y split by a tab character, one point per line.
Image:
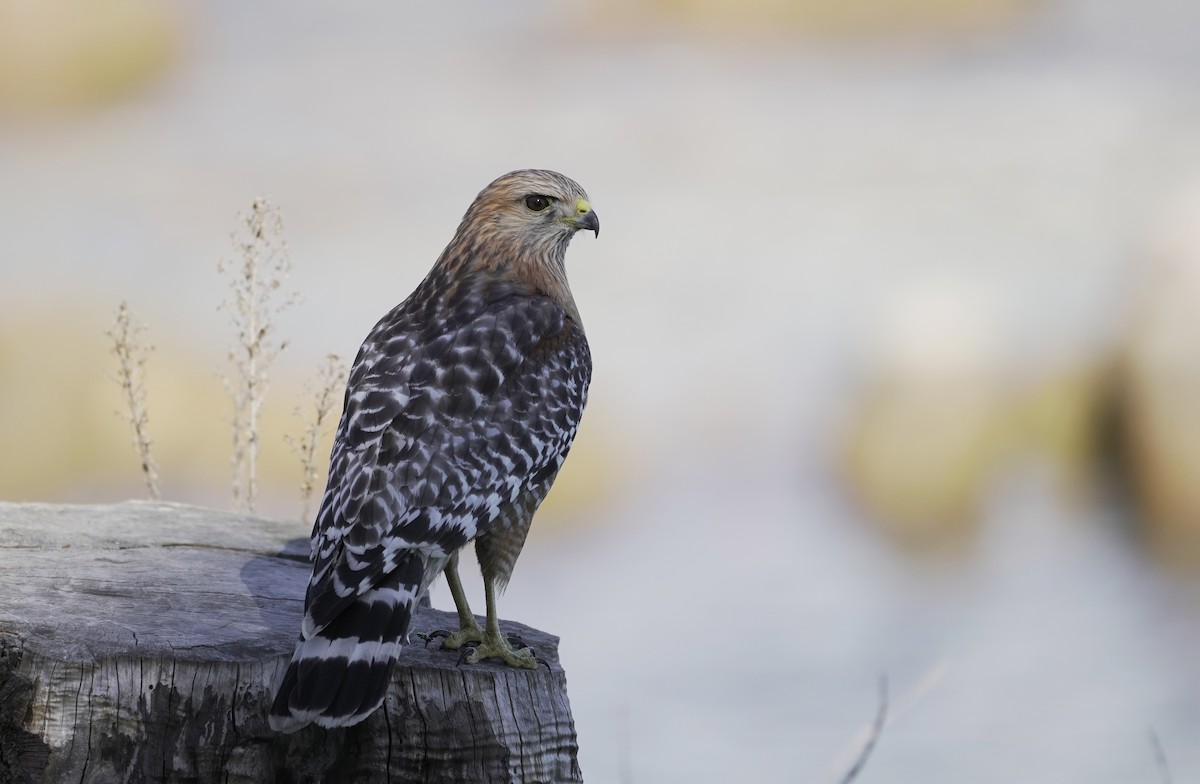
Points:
858	314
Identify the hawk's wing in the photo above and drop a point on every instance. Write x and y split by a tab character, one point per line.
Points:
446	421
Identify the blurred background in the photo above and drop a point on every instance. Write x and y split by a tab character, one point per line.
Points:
895	320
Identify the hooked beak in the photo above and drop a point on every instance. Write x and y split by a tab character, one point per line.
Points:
586	218
589	222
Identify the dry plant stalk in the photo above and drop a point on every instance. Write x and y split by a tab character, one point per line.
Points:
126	334
872	738
255	281
323	394
1160	759
886	714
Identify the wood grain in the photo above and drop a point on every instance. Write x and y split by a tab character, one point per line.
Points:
141	642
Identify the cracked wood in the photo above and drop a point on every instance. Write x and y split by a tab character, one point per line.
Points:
141	642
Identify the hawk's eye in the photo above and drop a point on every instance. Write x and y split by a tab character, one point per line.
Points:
537	202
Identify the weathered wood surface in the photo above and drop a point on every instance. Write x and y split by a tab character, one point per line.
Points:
143	641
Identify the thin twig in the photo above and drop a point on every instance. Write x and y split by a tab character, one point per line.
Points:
126	333
323	394
255	281
873	737
1160	758
864	741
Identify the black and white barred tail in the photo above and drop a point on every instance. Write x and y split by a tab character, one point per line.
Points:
339	674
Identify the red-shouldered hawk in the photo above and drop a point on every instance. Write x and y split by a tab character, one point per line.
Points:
459	411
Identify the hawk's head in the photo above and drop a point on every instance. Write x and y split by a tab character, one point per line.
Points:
533	209
517	229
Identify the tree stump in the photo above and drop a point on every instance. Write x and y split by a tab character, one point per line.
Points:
142	642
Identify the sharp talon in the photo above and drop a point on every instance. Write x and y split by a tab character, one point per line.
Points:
540	660
466	653
433	635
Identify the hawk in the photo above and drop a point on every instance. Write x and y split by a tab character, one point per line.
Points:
459	411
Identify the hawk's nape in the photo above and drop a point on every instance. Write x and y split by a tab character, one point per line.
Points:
461	406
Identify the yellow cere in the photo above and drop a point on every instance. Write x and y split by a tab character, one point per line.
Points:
582	206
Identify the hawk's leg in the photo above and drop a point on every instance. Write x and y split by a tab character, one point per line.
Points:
495	645
468	629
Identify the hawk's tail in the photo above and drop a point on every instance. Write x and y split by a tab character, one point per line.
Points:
339	675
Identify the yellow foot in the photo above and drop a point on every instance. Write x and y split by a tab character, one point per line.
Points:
497	647
452	641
